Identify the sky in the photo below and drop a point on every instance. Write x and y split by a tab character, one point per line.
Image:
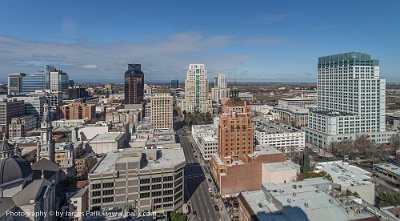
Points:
255	40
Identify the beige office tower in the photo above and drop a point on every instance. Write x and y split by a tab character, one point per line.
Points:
161	111
196	90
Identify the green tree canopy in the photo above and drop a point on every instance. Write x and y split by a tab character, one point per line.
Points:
177	216
388	199
312	174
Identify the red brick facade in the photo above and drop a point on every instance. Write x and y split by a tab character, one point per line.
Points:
77	110
243	177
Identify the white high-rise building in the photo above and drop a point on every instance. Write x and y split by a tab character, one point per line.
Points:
220	81
59	82
220	89
196	90
351	100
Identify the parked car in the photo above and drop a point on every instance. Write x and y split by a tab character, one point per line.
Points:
209	180
209	190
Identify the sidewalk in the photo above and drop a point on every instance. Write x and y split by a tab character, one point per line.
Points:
320	151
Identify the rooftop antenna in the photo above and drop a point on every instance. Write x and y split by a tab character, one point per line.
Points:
234	91
234	78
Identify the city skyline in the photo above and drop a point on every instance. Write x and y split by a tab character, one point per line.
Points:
260	42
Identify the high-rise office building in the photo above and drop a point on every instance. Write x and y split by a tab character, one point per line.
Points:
174	84
9	109
25	83
33	106
59	82
235	130
220	90
220	81
351	100
77	92
237	166
20	125
15	83
134	84
33	82
148	180
51	79
48	69
196	90
161	111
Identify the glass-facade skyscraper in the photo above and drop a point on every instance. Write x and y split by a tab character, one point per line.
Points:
32	82
134	84
174	84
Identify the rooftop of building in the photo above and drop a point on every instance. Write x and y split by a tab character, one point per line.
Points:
300	99
158	140
292	109
71	121
210	138
99	124
345	174
265	150
332	113
259	151
204	127
236	102
107	137
391	168
169	157
126	111
273	127
280	166
303	200
347	59
163	131
66	145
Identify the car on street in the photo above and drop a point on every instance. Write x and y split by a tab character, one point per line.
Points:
209	190
194	213
209	180
216	207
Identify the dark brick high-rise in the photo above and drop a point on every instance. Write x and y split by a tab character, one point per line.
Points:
134	84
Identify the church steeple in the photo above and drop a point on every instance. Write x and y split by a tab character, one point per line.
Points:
46	145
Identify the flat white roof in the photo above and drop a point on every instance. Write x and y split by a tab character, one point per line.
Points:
287	165
345	174
307	202
169	158
210	138
107	137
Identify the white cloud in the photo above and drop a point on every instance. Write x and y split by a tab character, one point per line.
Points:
167	59
268	18
89	66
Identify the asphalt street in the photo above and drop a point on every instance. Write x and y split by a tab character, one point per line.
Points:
196	187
